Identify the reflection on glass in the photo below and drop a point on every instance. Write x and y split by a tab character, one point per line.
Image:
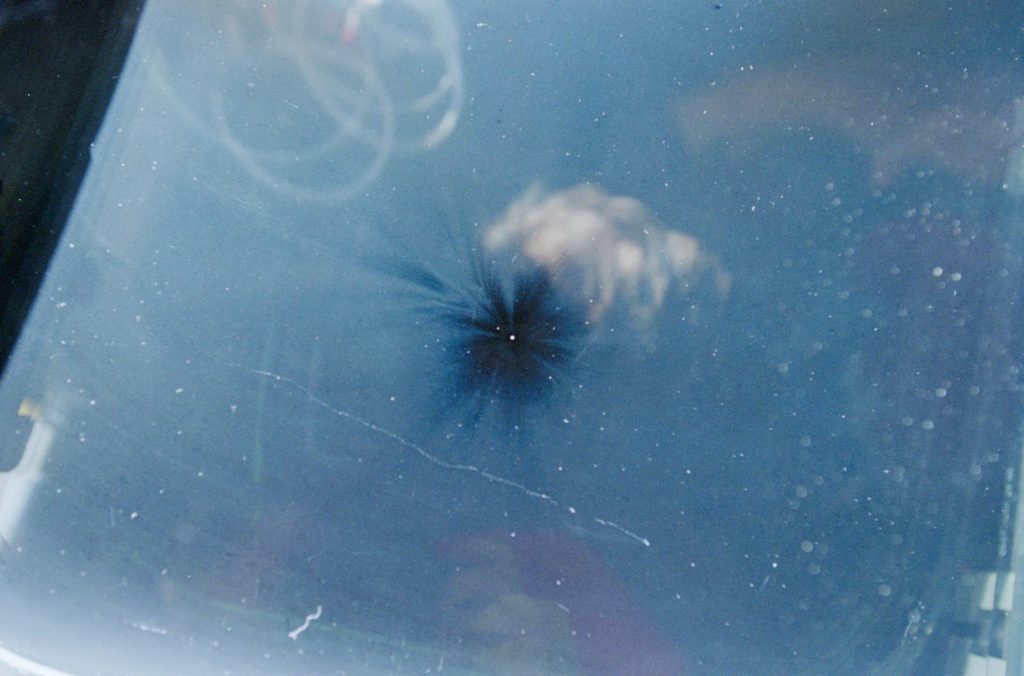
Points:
909	173
313	97
605	252
542	602
752	406
961	121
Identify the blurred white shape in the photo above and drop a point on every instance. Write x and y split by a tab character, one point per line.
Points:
23	665
311	97
984	665
902	118
602	250
18	484
294	634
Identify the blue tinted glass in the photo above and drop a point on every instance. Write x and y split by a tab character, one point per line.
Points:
572	338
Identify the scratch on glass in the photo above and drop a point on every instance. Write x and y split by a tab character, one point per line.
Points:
430	457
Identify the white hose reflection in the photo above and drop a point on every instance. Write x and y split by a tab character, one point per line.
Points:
312	98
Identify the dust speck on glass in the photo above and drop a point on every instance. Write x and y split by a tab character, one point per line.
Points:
572	338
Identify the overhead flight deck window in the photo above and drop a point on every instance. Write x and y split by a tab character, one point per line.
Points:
453	336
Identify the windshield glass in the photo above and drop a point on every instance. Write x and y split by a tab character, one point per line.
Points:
406	336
